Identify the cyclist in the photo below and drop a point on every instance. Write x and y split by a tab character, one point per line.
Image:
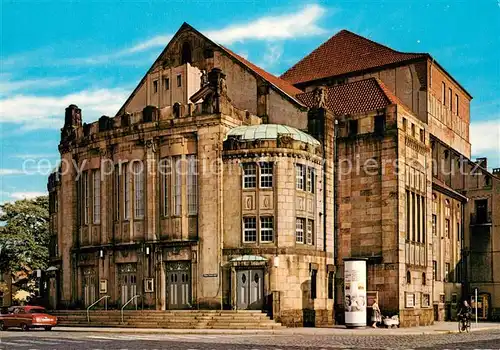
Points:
465	312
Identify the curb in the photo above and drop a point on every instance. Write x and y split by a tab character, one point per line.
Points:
166	331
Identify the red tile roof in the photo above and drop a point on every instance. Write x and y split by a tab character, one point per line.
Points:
281	84
356	97
345	52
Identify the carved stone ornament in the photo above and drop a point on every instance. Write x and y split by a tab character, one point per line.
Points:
203	78
284	140
320	97
151	144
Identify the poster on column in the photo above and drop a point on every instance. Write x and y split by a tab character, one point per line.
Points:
355	292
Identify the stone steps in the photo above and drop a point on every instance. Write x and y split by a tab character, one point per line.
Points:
173	319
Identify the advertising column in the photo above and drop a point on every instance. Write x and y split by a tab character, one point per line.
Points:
355	292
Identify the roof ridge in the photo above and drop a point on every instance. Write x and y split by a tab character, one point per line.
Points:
343	53
383	45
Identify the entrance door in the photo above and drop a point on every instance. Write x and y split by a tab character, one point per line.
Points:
178	285
89	286
128	283
250	289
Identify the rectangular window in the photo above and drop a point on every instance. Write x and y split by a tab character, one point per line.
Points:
422	218
266	175
417	218
166	83
443	93
379	124
249	175
116	188
97	196
353	127
179	80
155	86
447	228
330	284
314	275
299	230
249	230
458	232
299	176
139	189
311	180
456	104
310	232
434	224
414	221
434	270
166	176
422	135
408	216
266	229
450	99
447	272
405	124
192	185
177	165
85	191
412	129
126	192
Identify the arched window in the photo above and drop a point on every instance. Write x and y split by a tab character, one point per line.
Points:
408	277
186	53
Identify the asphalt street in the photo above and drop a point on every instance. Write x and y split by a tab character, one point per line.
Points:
106	341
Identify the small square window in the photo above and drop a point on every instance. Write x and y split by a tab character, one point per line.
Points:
299	176
249	175
299	230
249	230
311	180
266	229
310	232
179	80
266	175
155	86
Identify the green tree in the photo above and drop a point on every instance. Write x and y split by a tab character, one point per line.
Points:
24	239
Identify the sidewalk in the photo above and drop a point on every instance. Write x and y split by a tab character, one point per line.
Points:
437	328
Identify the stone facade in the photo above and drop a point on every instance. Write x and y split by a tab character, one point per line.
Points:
218	185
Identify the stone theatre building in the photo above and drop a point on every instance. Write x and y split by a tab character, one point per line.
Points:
219	185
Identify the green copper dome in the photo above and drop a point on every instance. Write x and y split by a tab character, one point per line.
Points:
270	132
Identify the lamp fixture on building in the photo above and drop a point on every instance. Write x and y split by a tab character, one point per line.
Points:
147	250
101	254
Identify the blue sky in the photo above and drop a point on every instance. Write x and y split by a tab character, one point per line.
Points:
93	53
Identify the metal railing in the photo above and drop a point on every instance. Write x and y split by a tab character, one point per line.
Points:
105	305
128	302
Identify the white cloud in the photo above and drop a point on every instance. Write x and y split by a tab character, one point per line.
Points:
47	112
287	26
26	195
485	140
291	25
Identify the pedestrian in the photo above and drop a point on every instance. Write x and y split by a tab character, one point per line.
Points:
376	314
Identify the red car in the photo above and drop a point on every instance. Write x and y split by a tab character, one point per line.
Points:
27	317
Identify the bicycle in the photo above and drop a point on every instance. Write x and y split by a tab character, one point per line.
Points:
464	323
